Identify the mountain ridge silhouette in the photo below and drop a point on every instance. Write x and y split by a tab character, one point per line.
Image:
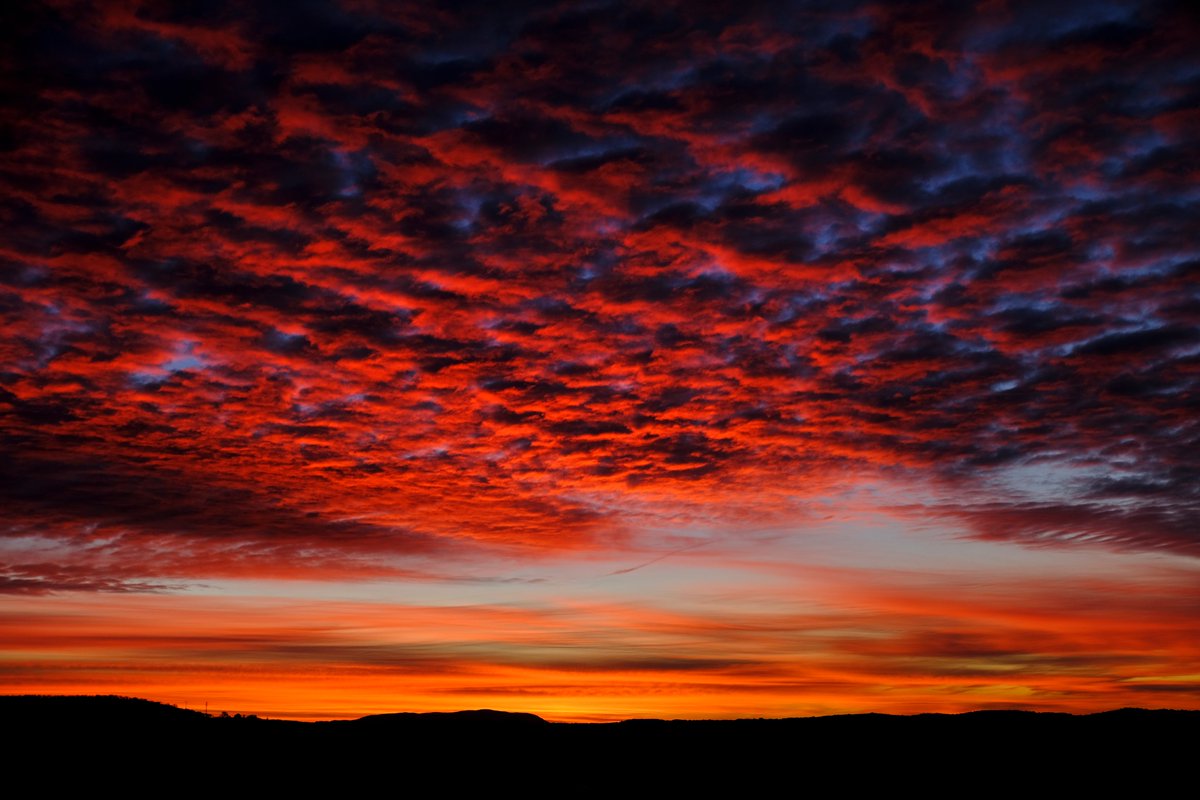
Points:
483	749
123	706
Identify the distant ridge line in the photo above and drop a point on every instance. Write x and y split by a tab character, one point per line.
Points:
121	740
13	704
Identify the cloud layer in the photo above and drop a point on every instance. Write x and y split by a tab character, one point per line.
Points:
318	288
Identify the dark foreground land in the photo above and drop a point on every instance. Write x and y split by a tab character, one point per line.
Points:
107	739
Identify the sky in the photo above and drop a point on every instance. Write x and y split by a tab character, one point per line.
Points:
601	359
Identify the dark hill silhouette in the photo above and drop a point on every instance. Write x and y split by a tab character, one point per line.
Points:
482	717
94	713
492	748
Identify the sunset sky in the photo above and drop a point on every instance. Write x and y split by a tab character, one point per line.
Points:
601	359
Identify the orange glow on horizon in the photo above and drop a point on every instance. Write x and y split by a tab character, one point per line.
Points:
728	637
